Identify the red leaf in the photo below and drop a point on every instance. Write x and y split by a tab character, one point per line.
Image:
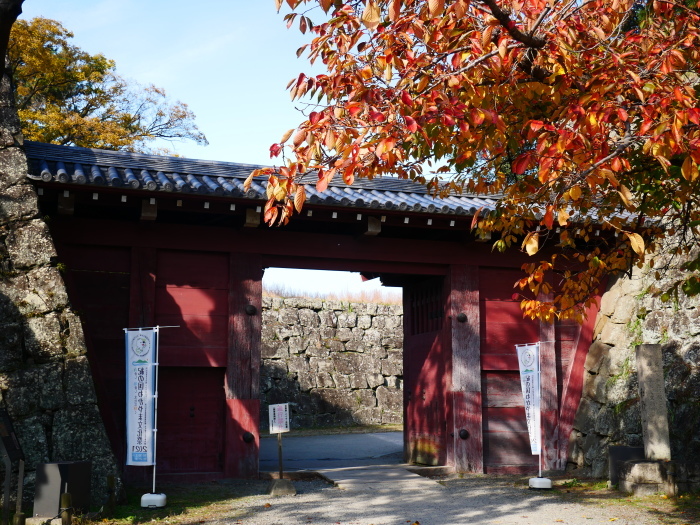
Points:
521	163
536	125
411	124
314	117
275	150
406	98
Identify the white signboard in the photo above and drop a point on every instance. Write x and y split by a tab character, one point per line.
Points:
529	361
279	418
140	396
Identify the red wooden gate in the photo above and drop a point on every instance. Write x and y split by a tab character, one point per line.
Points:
425	372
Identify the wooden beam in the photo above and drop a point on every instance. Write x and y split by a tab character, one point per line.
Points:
374	226
66	203
142	291
550	397
467	433
149	210
245	313
252	218
242	438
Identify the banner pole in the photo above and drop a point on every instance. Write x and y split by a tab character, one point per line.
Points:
155	407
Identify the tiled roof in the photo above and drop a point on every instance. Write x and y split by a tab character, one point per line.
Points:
155	174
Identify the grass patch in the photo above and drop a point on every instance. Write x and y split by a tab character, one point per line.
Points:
190	503
681	510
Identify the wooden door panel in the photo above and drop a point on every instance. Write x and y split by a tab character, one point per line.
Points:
190	419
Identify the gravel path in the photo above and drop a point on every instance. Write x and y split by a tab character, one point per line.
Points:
472	501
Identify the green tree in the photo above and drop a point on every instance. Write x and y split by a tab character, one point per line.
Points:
65	95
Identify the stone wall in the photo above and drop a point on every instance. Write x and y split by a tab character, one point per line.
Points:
337	363
45	381
609	412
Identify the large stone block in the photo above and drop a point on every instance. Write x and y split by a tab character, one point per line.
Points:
328	318
645	478
368	416
350	363
52	395
389	399
30	244
597	355
17	202
657	443
364	321
375	380
10	346
347	320
274	349
78	380
42	337
74	338
308	317
288	316
78	433
32	436
586	416
358	381
13	166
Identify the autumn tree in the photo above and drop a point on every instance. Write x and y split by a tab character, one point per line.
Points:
582	115
65	95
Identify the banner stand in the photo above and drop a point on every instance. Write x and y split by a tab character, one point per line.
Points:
529	361
142	349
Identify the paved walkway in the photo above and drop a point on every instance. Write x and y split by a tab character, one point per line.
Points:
357	462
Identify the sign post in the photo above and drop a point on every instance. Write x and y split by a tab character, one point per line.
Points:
142	403
529	363
279	423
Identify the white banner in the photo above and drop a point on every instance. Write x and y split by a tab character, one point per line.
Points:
529	362
140	395
279	418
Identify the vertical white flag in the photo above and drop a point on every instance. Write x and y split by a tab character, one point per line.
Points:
140	396
529	362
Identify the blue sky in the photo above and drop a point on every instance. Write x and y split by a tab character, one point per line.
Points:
229	60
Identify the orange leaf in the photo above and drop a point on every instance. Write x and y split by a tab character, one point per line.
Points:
436	7
299	198
286	136
475	219
298	137
325	4
394	10
548	219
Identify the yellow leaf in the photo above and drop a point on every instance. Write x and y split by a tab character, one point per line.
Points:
371	15
531	244
563	217
503	48
575	193
636	242
626	196
689	170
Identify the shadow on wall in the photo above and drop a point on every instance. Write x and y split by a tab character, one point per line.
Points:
337	364
47	390
328	407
